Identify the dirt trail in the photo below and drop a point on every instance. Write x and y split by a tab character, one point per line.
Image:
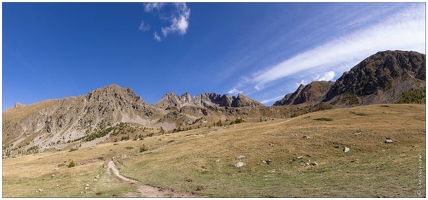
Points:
147	190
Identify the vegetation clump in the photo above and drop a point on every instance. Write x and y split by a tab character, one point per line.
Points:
72	164
324	119
143	149
413	96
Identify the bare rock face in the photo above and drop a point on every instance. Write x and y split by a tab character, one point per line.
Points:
206	100
309	94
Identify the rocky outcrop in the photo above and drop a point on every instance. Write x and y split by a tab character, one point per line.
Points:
208	100
309	94
243	101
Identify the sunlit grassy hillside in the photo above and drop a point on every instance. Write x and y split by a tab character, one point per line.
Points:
273	152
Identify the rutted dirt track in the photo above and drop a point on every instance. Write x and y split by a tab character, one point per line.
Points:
147	190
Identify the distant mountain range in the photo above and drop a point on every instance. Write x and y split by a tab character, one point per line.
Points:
112	112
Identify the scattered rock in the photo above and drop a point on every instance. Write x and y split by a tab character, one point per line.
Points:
239	164
299	157
358	133
217	161
304	164
346	149
271	144
53	175
97	176
95	180
241	156
40	190
305	137
308	155
98	193
314	163
87	185
86	188
388	141
82	192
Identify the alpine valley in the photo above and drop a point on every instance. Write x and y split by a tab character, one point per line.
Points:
360	136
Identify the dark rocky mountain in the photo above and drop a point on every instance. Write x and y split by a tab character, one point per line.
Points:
309	94
381	78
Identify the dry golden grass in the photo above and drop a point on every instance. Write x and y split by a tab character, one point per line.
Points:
201	160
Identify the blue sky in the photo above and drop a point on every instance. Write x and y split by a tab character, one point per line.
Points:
263	50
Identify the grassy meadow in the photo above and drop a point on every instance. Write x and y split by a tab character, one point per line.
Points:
202	160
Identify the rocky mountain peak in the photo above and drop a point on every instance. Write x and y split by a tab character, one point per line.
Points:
381	78
113	91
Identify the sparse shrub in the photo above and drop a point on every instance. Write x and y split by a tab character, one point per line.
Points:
171	141
72	164
143	149
324	119
129	148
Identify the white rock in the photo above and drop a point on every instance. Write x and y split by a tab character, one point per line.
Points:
239	164
299	157
86	188
388	141
217	161
241	156
346	149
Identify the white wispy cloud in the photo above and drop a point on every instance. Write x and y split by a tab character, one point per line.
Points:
234	91
405	31
149	7
178	19
156	37
272	99
328	76
143	27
